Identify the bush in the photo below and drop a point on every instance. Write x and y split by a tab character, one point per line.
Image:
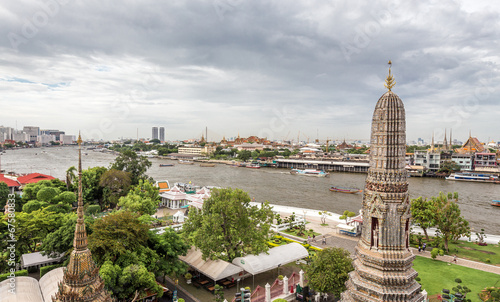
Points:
188	276
417	279
435	252
279	300
18	274
487	260
180	300
48	268
93	209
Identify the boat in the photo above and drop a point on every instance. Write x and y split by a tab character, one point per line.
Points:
345	190
253	166
207	165
310	172
495	203
476	177
185	162
166	165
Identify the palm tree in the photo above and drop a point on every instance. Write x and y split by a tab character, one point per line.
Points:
70	176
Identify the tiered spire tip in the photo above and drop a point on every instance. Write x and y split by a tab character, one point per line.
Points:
390	81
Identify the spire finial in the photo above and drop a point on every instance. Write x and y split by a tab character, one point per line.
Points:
80	240
390	81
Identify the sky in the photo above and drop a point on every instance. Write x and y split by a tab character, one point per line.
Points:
269	68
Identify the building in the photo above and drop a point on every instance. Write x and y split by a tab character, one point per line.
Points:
32	131
463	160
196	150
430	160
66	139
11	182
5	133
154	135
162	134
45	139
383	264
20	136
81	281
472	145
56	133
485	161
33	178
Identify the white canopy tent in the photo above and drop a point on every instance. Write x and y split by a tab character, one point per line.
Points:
256	264
215	269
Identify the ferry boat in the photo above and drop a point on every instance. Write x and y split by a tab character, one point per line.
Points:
495	203
166	165
253	166
477	177
310	172
345	190
185	162
210	165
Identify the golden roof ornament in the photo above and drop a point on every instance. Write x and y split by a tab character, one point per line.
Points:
390	81
79	141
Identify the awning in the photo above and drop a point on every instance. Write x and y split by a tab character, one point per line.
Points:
256	264
215	269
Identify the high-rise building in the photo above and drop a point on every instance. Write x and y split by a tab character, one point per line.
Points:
155	133
56	133
81	280
32	131
162	134
383	265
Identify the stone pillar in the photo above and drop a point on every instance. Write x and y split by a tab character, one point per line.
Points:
285	285
268	292
301	282
424	293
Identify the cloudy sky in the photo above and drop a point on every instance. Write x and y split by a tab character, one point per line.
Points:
259	67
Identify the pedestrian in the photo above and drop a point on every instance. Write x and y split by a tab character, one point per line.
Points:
425	245
419	248
323	241
308	239
455	258
314	238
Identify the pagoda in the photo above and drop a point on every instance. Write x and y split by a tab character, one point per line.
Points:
81	281
383	265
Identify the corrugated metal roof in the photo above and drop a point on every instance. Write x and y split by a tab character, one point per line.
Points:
215	269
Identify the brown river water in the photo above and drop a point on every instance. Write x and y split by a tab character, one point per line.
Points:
277	186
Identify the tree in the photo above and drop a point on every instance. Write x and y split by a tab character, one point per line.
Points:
32	228
244	155
30	191
70	177
92	192
449	222
130	162
228	227
324	214
328	270
4	194
449	166
116	184
47	194
423	212
115	234
155	141
129	251
143	198
347	214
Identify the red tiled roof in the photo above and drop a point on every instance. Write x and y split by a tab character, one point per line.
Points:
9	182
33	178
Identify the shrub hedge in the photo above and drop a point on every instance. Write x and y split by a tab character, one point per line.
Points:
18	274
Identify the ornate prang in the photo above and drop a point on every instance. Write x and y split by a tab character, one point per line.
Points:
383	264
81	281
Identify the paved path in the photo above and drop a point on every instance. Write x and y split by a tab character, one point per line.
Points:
333	239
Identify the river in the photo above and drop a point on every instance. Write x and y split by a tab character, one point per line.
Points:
277	186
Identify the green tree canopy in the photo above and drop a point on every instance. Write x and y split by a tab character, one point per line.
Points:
328	270
142	198
92	192
32	228
449	166
244	155
423	213
4	194
228	227
116	183
30	191
130	162
47	194
449	222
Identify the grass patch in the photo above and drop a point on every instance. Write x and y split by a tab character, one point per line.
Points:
294	232
469	250
436	275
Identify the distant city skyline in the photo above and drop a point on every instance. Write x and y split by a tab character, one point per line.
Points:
256	67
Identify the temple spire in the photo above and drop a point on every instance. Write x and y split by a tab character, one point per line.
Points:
445	141
432	142
390	81
451	143
80	241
